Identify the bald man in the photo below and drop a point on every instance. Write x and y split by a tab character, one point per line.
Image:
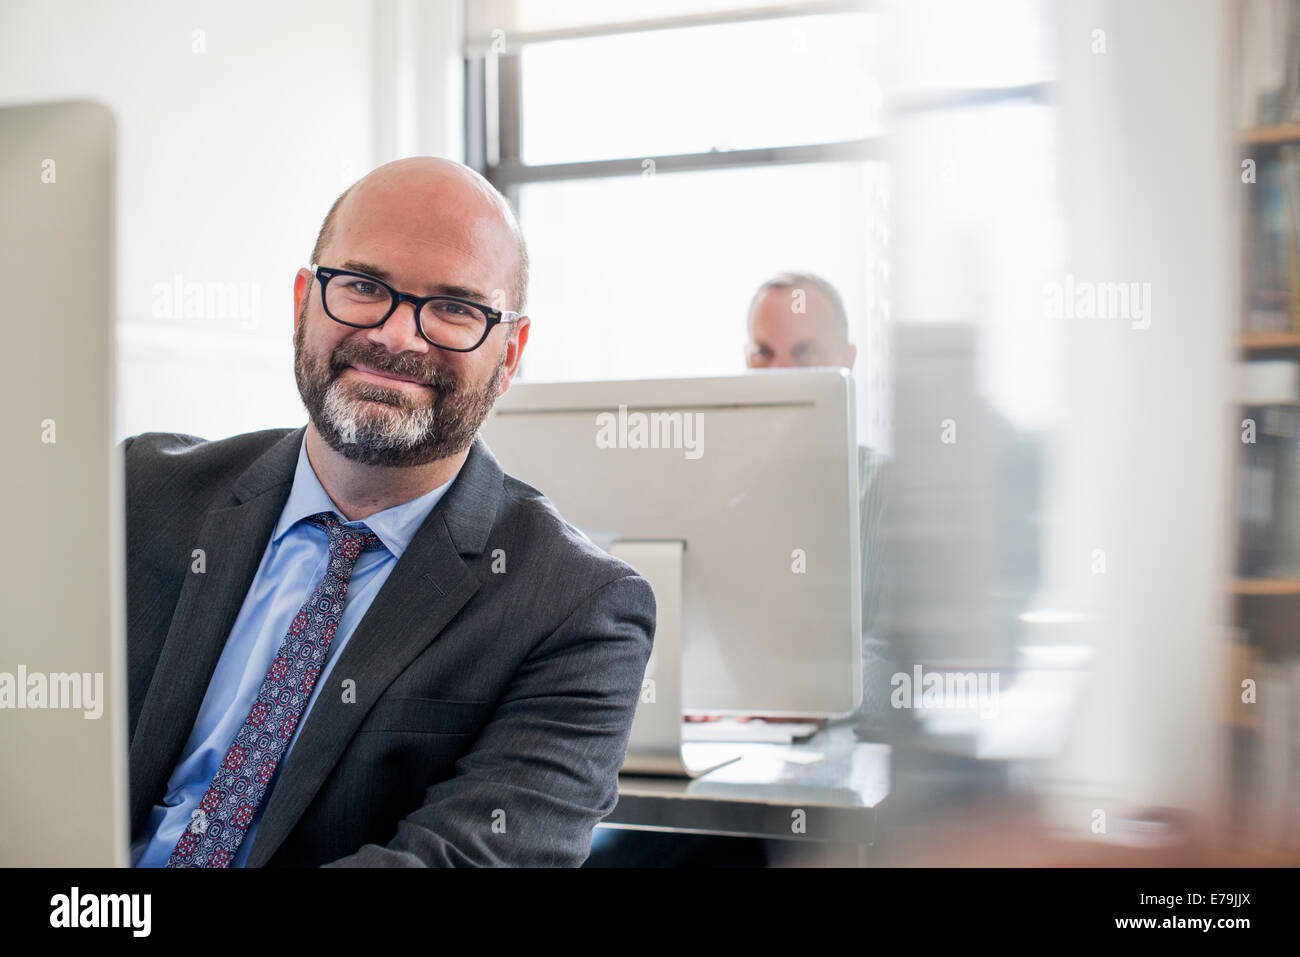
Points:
798	320
359	642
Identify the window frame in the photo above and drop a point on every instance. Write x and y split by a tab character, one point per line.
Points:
494	120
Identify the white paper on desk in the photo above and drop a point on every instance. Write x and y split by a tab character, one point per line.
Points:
753	731
795	756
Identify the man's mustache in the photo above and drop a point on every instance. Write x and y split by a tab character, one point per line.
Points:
437	376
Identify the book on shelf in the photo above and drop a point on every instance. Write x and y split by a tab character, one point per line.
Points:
1268	493
1273	245
1268	382
1269	58
1272	785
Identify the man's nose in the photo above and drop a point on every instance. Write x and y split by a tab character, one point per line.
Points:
399	332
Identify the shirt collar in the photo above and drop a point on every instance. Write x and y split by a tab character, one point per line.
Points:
395	526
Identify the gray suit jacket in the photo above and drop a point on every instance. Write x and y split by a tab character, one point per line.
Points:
492	708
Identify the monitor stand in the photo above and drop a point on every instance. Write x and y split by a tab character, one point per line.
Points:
655	744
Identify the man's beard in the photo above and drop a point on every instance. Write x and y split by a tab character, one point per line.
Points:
377	425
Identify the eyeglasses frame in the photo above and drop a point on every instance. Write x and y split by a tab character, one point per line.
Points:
324	274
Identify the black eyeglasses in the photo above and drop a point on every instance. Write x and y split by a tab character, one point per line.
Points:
449	322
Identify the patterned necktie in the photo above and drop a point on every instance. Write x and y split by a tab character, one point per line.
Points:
218	825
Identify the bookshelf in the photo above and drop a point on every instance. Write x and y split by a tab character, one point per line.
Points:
1266	587
1272	134
1269	343
1265	732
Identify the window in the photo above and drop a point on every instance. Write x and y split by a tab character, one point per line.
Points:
661	174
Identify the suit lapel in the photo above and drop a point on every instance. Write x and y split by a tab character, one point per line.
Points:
427	587
233	539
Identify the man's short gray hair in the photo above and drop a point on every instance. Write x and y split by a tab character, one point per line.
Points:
805	280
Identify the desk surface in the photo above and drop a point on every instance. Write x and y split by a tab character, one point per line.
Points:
769	792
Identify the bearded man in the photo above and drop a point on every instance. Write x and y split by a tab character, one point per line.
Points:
359	642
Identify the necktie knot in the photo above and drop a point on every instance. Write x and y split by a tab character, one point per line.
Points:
345	540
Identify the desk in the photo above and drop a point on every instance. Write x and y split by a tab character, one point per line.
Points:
765	794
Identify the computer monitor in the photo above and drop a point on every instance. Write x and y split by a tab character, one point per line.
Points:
63	784
737	498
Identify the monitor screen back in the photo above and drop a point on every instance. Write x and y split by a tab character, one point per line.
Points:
761	488
62	685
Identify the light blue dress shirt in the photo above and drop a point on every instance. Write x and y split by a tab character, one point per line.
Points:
292	565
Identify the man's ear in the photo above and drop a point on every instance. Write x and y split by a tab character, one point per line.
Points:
514	351
301	282
852	353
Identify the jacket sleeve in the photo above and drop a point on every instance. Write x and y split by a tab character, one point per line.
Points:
544	770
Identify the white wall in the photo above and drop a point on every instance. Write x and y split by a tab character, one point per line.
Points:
228	160
1143	475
